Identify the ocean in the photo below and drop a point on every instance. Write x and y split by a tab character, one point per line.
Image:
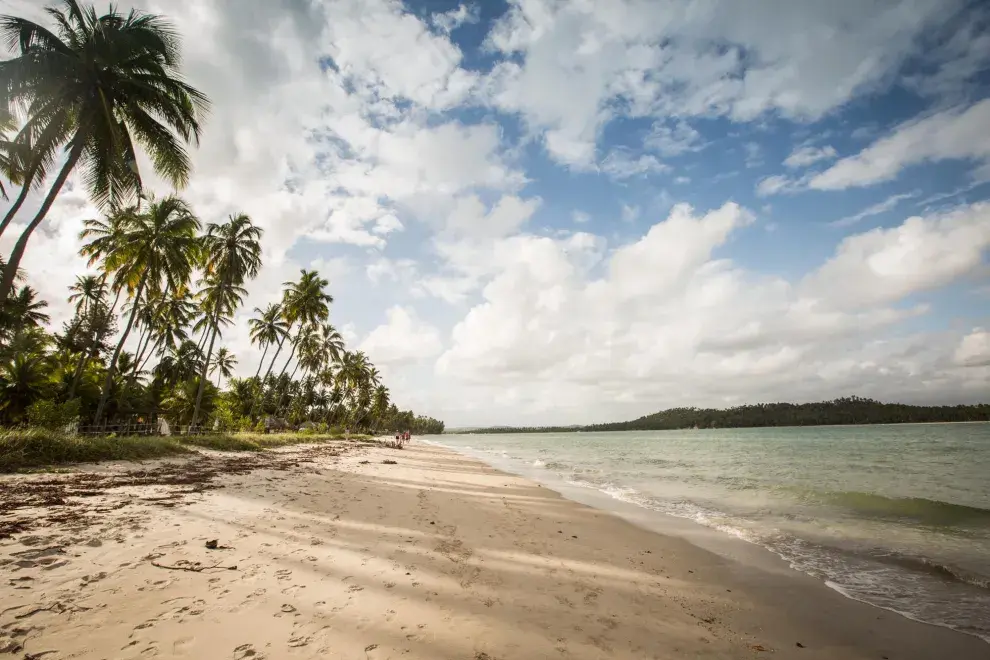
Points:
896	516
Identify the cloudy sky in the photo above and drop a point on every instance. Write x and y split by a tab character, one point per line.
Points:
565	211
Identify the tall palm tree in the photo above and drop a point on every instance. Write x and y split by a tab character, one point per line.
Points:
232	254
266	329
223	364
305	302
95	86
158	246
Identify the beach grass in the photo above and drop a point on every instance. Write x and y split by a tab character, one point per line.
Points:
37	448
33	448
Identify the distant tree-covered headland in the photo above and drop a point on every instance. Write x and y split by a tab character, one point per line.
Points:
852	410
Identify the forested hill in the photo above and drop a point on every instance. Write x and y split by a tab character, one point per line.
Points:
852	410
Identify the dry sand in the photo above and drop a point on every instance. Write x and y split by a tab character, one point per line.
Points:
437	556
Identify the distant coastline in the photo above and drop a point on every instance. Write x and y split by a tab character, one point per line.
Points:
850	411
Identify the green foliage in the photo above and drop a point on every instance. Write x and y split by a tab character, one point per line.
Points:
29	448
47	414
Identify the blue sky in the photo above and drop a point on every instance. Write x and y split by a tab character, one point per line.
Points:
544	211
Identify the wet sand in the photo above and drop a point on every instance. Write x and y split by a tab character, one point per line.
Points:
327	552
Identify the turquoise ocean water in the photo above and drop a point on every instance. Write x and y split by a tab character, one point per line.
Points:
897	516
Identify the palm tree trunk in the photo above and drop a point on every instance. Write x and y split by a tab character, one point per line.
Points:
271	365
14	262
151	354
206	365
146	338
261	362
25	189
108	381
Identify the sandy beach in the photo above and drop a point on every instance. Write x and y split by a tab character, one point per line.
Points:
328	552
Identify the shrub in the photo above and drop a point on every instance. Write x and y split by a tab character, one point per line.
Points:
54	416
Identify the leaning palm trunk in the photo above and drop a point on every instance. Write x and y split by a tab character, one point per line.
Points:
261	362
206	365
16	206
14	262
111	368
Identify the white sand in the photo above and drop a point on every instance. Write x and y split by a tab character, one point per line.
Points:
435	557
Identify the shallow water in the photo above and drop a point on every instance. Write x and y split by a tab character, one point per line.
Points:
897	516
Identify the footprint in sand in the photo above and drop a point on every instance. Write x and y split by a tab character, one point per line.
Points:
247	651
283	574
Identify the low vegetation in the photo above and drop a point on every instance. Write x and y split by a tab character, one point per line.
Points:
30	448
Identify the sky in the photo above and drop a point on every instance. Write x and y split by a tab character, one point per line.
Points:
556	212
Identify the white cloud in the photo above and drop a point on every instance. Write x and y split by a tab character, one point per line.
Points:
402	339
949	134
663	321
874	209
640	58
673	139
581	217
451	20
809	155
775	185
620	164
974	349
885	265
630	213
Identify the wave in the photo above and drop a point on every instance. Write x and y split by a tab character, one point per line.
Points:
933	567
917	509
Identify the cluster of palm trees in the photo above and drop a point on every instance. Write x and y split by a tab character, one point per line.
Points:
79	98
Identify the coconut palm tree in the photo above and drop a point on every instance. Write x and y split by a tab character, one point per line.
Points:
305	302
232	255
266	329
96	85
179	365
87	291
158	247
223	364
25	377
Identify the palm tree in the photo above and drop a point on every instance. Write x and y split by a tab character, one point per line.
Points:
266	329
95	86
158	246
24	378
305	303
232	254
223	364
87	291
181	364
23	310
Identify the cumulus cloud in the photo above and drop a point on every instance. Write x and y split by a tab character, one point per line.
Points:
403	338
923	253
664	320
974	349
950	134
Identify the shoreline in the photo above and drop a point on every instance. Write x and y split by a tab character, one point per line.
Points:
724	542
340	555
